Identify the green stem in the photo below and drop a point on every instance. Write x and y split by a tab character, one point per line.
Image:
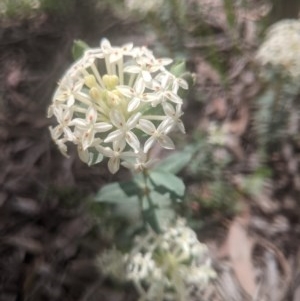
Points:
150	218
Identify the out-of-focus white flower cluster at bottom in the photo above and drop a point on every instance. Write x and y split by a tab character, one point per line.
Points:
166	266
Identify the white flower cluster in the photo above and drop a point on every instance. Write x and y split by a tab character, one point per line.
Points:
281	49
111	263
217	135
144	7
117	102
166	266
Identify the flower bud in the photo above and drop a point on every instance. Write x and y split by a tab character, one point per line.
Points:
90	81
110	81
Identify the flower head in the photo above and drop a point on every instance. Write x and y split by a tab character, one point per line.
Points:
112	264
218	135
281	49
117	102
168	264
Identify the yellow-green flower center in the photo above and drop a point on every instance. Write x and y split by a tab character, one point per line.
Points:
110	81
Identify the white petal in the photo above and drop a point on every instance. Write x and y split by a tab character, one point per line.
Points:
182	83
117	118
95	52
113	164
173	97
155	85
132	69
55	132
69	135
91	115
132	121
67	116
133	104
139	86
147	126
178	110
127	47
105	44
106	151
146	76
113	136
115	56
180	125
50	111
166	142
148	144
128	165
164	125
62	147
154	68
168	109
71	100
128	155
102	127
165	81
133	141
165	61
79	122
119	145
83	154
126	90
87	139
149	97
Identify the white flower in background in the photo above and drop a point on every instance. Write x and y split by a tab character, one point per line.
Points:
144	7
166	266
218	135
141	267
112	264
117	102
34	4
281	49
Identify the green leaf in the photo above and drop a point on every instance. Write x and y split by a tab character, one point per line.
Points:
160	218
132	201
156	200
119	192
167	182
157	210
78	49
129	209
178	68
160	200
177	161
165	217
125	198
